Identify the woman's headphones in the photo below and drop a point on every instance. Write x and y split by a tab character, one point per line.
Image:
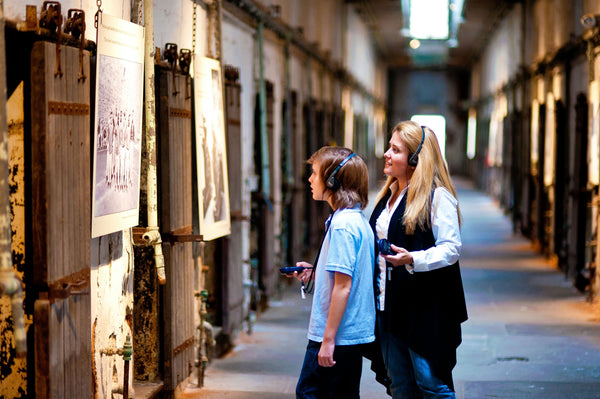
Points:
332	183
413	160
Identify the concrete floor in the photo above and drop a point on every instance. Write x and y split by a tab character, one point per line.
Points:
530	334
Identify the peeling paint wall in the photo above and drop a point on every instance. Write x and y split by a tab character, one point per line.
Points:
111	293
13	370
111	257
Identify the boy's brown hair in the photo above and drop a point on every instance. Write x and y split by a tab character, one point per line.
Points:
353	177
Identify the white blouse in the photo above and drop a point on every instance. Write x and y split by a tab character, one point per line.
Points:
445	228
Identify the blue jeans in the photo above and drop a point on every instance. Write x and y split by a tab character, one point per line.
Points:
411	374
342	381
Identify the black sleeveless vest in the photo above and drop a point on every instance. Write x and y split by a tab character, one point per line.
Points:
424	309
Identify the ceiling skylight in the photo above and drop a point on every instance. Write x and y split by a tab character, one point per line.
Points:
429	19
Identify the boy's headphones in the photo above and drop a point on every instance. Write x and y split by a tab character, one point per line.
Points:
413	160
332	183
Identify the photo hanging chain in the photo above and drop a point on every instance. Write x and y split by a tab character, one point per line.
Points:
96	16
194	30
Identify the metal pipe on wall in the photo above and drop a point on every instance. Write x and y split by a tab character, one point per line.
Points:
152	236
287	117
10	284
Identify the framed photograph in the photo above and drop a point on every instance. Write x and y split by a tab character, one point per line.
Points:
117	125
211	154
594	135
550	141
535	130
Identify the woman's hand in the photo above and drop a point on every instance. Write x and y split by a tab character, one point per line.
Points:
402	257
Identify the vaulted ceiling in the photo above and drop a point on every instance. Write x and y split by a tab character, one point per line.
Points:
387	19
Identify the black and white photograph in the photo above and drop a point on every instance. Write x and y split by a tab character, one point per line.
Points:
211	157
118	125
594	134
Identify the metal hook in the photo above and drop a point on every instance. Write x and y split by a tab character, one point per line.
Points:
75	25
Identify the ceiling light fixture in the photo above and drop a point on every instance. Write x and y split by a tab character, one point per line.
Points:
415	44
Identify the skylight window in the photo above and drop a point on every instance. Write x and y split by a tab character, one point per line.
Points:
429	19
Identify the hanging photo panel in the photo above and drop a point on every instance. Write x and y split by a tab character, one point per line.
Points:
211	155
117	125
594	135
550	141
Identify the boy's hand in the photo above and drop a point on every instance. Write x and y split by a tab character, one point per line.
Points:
305	274
326	354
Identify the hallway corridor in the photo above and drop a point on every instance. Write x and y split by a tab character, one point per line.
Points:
530	334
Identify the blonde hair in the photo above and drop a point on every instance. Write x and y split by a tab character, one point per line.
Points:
353	176
430	173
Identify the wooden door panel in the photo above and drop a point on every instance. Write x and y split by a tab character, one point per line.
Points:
176	213
61	228
232	277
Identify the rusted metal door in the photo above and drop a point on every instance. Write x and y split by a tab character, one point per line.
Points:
579	198
517	151
61	228
540	200
234	311
528	188
311	233
561	183
298	223
268	273
507	195
175	187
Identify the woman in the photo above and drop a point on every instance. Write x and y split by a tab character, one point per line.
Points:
420	299
343	311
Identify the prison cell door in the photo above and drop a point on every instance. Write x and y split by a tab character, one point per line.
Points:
322	129
507	196
561	181
550	178
61	221
527	185
236	297
286	151
312	232
295	201
579	198
268	262
298	224
516	156
175	210
540	201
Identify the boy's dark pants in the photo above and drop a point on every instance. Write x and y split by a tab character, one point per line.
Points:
342	381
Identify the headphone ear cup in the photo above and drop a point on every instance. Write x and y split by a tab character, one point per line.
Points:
413	160
332	183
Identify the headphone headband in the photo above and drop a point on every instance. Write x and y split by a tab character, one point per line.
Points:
414	158
332	183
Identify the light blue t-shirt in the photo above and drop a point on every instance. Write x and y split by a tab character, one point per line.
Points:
347	248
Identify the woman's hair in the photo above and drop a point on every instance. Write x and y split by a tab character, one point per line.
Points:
353	176
430	173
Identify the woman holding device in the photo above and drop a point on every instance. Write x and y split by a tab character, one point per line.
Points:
419	294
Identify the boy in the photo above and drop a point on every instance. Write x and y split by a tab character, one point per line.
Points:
343	309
